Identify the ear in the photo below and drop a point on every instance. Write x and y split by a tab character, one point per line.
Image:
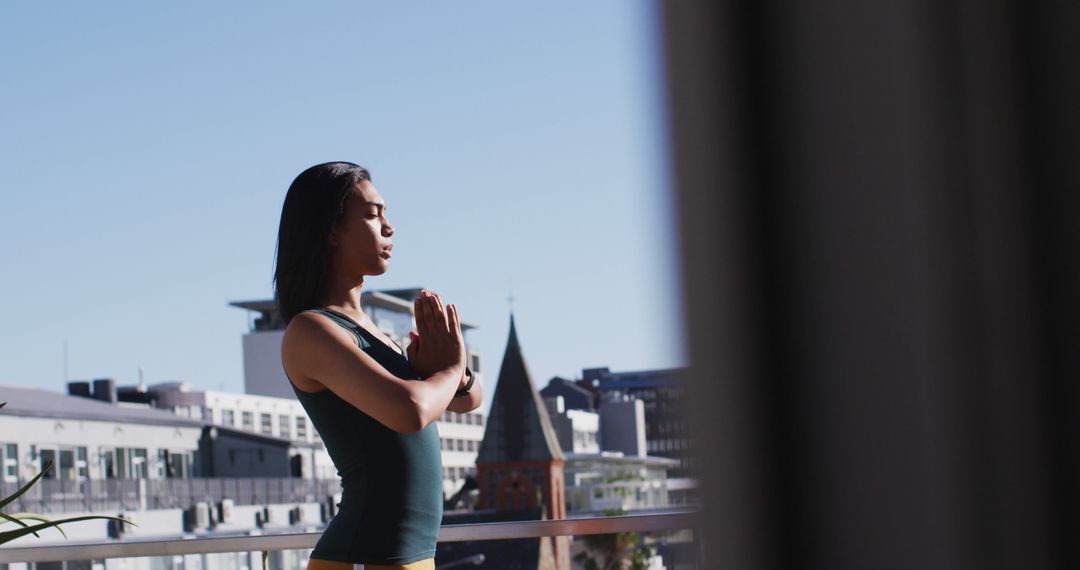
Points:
332	238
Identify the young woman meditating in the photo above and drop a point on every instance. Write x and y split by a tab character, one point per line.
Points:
373	404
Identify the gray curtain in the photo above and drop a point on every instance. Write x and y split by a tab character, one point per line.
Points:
879	208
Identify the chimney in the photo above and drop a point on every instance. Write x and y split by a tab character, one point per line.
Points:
79	388
105	390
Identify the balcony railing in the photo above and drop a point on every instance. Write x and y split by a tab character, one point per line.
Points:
92	495
670	520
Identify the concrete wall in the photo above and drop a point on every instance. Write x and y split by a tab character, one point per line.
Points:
263	373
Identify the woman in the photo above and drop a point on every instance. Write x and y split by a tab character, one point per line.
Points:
373	405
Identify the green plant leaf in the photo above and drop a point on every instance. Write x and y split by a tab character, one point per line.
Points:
4	502
14	519
17	518
10	535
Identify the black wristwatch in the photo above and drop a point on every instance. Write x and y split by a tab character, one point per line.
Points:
468	385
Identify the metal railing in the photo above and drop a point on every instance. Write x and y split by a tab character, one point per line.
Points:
671	520
95	495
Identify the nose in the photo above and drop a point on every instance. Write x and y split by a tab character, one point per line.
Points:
387	229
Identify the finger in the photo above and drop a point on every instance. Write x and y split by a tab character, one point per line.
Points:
410	351
439	304
455	320
423	321
440	315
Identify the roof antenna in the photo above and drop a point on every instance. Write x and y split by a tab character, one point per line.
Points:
510	297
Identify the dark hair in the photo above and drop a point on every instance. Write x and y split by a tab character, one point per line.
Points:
314	203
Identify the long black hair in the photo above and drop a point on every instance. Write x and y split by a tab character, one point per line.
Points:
314	204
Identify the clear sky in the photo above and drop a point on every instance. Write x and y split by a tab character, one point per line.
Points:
145	150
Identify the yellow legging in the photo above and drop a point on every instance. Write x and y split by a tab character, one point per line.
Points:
317	564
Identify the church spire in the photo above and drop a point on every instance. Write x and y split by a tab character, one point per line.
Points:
518	426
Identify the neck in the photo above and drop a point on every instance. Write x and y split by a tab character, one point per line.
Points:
344	291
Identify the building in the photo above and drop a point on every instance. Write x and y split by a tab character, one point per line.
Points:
152	466
574	395
661	391
596	482
578	431
278	421
607	466
520	472
91	438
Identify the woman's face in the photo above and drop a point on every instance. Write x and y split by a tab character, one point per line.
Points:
360	244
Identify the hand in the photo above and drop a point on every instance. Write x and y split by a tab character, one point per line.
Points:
438	344
413	350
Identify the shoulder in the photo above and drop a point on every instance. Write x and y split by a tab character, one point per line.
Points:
309	336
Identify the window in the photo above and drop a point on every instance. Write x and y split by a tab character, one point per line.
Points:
162	467
228	418
247	419
174	464
283	427
9	462
266	424
47	458
108	464
81	472
137	466
208	414
301	427
460	444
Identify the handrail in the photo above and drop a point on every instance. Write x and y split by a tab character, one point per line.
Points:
670	520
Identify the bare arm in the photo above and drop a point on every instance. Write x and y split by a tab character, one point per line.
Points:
317	349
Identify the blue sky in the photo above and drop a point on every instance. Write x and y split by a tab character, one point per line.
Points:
145	149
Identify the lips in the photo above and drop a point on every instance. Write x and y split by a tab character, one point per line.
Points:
385	254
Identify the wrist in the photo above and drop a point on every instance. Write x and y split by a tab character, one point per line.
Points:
468	377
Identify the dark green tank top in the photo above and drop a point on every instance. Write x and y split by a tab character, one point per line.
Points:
391	483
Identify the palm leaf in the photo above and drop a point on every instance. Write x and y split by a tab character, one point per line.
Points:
4	502
10	535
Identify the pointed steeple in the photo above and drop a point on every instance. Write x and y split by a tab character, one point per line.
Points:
518	426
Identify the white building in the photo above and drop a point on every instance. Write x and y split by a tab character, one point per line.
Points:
609	480
282	418
91	439
117	458
578	430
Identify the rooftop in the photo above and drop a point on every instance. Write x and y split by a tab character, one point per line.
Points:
32	402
